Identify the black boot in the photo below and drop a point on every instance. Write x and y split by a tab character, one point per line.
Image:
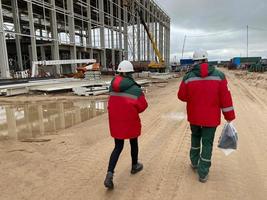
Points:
136	168
109	181
203	179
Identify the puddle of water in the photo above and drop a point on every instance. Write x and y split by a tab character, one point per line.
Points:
39	119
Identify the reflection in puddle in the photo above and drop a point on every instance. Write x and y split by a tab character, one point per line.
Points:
38	119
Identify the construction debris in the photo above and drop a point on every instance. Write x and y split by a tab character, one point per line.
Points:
162	76
91	85
86	91
98	90
45	86
92	75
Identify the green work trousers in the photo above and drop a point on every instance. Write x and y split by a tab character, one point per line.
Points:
201	148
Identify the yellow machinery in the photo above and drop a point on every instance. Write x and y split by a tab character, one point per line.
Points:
160	64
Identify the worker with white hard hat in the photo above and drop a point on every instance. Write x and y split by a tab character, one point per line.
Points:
200	55
205	91
125	103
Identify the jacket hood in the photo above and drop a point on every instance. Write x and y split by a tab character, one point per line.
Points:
203	70
121	83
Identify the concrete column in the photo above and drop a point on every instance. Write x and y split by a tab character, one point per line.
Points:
168	44
120	30
4	67
11	123
133	30
15	11
160	36
55	47
138	38
89	31
79	54
153	32
144	33
42	52
149	27
32	31
125	32
134	51
164	43
112	34
40	29
81	37
156	27
144	43
102	34
71	26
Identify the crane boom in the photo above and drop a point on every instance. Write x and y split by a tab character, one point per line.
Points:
154	45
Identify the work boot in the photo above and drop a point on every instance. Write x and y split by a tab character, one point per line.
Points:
194	167
136	168
109	181
204	179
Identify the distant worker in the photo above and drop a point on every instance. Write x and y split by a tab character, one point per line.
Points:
125	103
205	91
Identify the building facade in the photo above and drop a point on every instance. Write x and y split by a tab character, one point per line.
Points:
106	30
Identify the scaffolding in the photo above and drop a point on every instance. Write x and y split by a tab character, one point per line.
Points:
106	30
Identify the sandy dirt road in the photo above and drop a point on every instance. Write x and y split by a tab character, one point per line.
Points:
73	165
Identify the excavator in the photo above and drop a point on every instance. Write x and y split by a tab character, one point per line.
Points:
159	65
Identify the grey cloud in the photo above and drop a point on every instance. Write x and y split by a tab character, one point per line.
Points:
202	17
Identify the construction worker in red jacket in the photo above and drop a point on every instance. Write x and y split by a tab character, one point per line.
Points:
205	91
125	103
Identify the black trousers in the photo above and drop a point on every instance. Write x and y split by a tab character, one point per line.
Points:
117	151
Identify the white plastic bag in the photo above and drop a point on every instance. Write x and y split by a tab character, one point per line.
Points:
228	139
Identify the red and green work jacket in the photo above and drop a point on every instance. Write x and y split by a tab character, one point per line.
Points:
205	91
125	103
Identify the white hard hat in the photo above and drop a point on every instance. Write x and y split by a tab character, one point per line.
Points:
125	66
200	55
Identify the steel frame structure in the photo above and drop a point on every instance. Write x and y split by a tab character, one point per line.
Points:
106	30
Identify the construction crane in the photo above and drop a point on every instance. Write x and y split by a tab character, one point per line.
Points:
159	65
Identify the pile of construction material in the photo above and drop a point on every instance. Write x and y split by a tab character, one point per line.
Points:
79	86
91	90
98	89
161	76
49	85
92	75
21	74
153	75
142	75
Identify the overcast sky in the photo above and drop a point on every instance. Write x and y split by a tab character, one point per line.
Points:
220	26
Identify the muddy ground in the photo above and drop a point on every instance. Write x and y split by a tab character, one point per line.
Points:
73	164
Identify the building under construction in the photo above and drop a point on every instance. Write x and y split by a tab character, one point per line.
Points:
106	30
